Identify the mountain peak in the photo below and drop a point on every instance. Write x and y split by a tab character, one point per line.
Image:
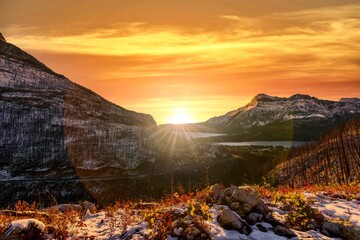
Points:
2	38
10	51
299	111
349	100
302	96
262	97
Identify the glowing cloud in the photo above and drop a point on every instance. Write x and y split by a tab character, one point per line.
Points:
226	53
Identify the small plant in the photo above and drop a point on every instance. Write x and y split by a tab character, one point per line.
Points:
300	213
168	218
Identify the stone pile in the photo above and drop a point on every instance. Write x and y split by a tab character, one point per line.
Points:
245	208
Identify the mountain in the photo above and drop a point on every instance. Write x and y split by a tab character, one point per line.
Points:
333	159
299	117
52	127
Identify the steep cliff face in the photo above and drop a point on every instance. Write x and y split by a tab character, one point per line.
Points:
51	126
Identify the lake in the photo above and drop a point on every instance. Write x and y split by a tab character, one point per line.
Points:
286	144
198	134
195	135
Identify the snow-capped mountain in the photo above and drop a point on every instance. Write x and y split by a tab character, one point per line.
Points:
50	125
265	110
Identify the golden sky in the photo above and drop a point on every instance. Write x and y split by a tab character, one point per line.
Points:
205	57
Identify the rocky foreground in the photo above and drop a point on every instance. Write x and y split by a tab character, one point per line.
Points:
214	213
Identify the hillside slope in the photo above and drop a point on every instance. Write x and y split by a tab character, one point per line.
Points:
54	128
334	159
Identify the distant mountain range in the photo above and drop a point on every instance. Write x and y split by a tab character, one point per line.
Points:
299	117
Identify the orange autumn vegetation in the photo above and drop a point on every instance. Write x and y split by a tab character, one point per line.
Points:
160	214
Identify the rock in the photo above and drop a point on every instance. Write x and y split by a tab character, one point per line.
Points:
244	209
228	191
217	193
192	232
68	207
284	231
231	221
178	231
331	229
270	219
227	200
250	190
335	229
254	218
24	229
235	206
312	225
351	233
2	38
261	228
262	208
246	229
86	205
87	215
245	196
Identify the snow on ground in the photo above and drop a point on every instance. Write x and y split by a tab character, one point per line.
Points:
24	224
102	226
122	225
347	210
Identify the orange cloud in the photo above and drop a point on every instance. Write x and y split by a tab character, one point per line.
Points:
152	64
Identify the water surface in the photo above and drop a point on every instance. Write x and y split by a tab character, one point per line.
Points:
286	144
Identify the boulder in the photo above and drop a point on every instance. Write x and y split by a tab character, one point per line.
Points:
234	206
337	229
231	221
24	229
272	221
228	191
192	232
261	227
227	200
312	225
217	193
331	229
284	231
244	209
254	218
246	197
262	208
86	205
68	207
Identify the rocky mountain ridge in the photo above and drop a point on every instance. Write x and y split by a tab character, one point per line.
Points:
298	112
52	127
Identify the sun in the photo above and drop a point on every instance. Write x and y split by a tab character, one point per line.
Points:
180	116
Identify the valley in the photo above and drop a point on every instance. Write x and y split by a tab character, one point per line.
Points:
62	144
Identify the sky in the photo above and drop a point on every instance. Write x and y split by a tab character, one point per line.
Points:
202	58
